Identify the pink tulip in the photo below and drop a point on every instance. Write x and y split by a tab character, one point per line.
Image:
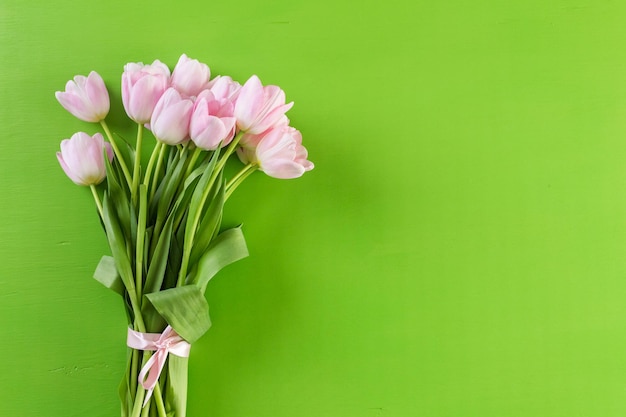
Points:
86	98
260	108
142	86
278	152
212	122
170	119
82	158
190	76
223	87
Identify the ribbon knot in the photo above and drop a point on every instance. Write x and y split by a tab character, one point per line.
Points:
163	343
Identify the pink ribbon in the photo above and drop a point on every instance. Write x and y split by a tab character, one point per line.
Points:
164	343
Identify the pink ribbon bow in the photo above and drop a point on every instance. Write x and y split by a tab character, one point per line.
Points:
164	343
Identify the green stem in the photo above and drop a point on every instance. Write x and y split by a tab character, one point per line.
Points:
141	327
134	362
157	395
118	154
234	182
194	225
97	200
157	170
194	157
139	396
145	412
153	157
158	399
141	235
138	402
133	191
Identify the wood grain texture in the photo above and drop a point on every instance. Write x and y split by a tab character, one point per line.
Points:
457	251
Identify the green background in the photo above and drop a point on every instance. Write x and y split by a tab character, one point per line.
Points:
459	249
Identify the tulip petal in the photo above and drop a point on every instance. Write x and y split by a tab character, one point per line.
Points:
249	103
273	118
190	76
97	94
283	169
213	133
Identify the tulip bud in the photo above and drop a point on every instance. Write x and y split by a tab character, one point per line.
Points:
223	87
260	108
82	158
190	76
212	122
170	119
142	86
85	97
278	152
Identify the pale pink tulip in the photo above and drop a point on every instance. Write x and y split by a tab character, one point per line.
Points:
223	87
278	152
212	122
170	119
86	98
260	108
190	76
82	158
142	86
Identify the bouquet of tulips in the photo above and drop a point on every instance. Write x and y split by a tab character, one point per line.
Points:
163	219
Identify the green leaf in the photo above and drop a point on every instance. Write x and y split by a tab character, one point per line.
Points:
228	247
173	265
185	309
210	223
147	243
197	201
107	275
168	188
158	262
176	386
182	203
118	245
128	152
126	397
156	274
118	193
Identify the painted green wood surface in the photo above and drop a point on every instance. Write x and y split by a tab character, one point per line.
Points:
459	249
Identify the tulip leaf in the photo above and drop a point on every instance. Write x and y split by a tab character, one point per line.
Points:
182	202
173	264
121	202
210	223
168	187
126	397
127	151
107	275
147	243
185	309
158	262
176	387
198	200
228	247
117	245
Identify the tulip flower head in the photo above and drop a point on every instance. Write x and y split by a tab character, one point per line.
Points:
82	158
278	152
212	122
223	87
190	76
142	87
85	97
171	116
260	108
